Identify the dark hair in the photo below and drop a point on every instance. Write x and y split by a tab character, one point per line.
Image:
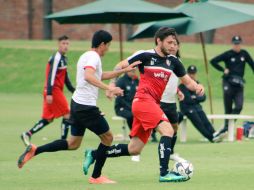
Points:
163	33
101	36
178	55
64	37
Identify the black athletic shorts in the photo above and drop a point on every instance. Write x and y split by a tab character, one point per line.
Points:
87	117
170	111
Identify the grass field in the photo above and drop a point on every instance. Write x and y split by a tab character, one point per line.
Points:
22	63
217	166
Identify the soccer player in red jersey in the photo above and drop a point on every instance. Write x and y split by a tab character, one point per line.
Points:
54	102
155	69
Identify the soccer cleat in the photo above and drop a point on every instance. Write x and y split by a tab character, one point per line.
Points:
25	138
101	180
218	137
172	177
222	131
88	161
27	155
175	157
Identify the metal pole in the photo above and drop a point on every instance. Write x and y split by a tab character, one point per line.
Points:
207	72
121	41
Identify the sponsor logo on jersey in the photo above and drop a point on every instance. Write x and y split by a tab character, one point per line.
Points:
161	75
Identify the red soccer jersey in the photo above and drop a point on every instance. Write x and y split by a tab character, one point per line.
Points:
56	71
155	72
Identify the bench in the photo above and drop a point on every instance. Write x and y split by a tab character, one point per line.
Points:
125	136
231	124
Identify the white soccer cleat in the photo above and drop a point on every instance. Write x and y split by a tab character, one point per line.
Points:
218	137
25	138
135	158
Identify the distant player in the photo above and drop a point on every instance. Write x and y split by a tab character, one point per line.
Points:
54	102
155	70
84	111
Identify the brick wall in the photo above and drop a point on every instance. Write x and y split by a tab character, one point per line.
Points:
14	22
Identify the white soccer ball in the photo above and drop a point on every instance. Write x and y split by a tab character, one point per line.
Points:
184	168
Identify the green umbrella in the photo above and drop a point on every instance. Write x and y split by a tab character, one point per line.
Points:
115	11
204	15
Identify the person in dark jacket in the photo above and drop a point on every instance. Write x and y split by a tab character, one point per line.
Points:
129	83
233	73
190	106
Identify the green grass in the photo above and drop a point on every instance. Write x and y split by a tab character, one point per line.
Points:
217	166
22	66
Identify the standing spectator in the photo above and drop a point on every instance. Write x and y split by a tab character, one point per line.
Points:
54	102
232	79
190	106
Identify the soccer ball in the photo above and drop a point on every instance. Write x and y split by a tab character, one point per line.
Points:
184	168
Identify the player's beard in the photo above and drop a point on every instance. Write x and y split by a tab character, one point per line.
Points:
164	51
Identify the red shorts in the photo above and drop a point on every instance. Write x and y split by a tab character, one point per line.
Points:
58	108
146	116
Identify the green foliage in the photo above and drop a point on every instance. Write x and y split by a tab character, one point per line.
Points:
23	63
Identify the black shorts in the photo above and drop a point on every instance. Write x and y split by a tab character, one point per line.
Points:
87	117
170	111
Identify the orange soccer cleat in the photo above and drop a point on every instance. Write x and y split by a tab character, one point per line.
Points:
101	180
27	155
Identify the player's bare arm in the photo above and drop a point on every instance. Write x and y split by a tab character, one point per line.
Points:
192	85
120	68
90	77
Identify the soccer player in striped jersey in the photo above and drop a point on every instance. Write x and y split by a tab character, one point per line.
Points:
168	103
155	69
55	104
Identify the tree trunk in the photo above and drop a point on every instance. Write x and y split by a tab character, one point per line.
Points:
47	23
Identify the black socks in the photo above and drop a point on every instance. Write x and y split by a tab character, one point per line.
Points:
115	151
100	160
118	150
164	150
54	146
173	142
38	126
65	128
